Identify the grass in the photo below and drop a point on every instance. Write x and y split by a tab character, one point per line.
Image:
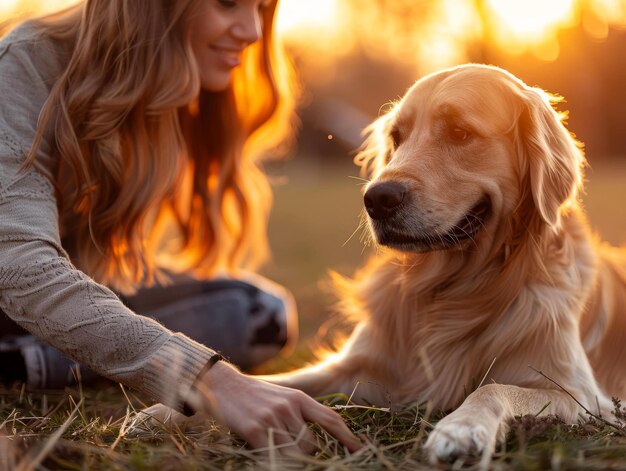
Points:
87	430
314	217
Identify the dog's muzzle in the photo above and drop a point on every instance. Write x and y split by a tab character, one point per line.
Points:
386	204
384	199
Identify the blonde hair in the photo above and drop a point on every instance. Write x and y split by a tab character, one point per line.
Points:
145	153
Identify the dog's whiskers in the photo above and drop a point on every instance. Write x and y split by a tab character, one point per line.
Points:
469	235
362	181
360	226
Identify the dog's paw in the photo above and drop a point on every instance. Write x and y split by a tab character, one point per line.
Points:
457	439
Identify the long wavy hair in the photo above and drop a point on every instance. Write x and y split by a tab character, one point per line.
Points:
155	173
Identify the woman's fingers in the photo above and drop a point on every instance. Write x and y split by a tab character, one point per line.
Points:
283	423
251	408
287	428
299	432
291	442
329	420
287	439
306	440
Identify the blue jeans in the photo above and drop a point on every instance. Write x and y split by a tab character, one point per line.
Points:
248	322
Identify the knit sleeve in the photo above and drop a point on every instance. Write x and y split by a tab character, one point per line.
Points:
41	290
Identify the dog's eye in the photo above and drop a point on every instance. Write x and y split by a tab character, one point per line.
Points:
395	138
459	134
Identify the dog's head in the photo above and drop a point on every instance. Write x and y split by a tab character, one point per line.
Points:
464	150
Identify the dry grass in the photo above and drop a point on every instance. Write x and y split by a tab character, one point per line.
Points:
88	429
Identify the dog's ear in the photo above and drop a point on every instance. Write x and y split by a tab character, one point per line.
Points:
553	158
377	147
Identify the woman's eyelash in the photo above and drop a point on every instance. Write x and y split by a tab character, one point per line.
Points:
227	3
233	3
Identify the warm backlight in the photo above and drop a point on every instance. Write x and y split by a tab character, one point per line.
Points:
316	28
531	19
295	15
13	8
530	24
425	33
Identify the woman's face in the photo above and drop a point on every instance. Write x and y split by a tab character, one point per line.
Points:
220	32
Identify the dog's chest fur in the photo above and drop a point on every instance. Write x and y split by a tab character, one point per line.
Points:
443	332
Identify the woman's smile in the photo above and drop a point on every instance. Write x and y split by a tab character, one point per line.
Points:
229	57
220	31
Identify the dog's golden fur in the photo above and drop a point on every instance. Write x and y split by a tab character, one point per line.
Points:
438	312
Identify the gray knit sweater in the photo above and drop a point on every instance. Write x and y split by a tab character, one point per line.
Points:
40	288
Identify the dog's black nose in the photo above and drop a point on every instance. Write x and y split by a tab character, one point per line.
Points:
382	200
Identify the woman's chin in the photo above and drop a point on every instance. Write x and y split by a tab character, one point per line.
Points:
216	82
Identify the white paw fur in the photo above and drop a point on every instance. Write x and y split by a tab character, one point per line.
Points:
452	439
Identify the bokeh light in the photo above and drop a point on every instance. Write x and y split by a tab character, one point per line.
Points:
425	34
531	19
17	8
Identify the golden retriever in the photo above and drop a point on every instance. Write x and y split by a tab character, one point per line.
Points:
486	270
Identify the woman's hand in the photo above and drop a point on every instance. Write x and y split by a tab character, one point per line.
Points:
262	413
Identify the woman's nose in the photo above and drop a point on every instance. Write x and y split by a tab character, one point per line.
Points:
249	27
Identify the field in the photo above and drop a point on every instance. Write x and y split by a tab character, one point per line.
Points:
316	214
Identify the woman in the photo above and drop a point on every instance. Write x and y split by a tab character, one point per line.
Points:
128	136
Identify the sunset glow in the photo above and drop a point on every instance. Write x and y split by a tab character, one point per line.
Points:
295	15
316	28
8	6
427	34
531	19
12	8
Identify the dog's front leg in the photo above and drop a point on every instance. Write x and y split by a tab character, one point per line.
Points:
484	417
327	377
339	373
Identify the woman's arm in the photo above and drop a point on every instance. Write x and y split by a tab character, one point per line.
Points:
39	287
